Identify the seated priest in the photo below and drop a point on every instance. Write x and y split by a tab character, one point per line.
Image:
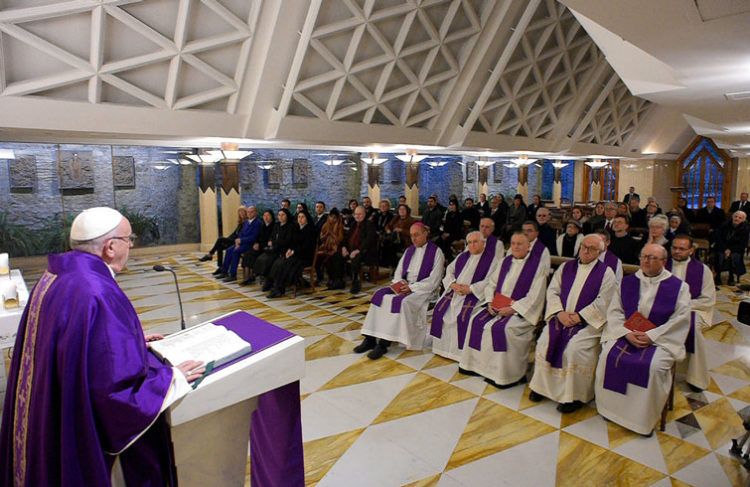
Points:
647	325
487	229
568	349
399	312
244	242
464	283
531	230
93	412
698	277
568	243
500	335
609	257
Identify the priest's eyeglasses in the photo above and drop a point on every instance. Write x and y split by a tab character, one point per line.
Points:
130	239
650	258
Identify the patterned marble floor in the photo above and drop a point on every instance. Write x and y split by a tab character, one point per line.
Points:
411	419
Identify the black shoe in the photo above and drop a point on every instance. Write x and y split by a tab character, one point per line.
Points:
535	396
267	286
377	352
730	282
205	258
569	407
694	388
275	294
367	344
356	287
230	279
467	372
220	276
249	281
217	272
522	380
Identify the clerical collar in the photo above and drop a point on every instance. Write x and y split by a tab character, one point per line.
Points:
111	271
587	265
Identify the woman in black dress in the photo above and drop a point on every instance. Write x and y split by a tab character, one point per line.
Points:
281	239
289	265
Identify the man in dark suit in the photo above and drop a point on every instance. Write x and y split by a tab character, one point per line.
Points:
369	209
547	234
483	205
433	218
470	214
711	214
631	193
360	246
731	244
536	203
741	205
625	247
638	217
320	217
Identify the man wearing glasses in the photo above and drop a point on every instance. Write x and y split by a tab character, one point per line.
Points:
84	401
702	300
568	349
647	324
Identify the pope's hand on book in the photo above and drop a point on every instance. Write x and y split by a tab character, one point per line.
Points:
191	369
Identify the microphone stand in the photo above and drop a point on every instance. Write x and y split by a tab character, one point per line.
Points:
161	268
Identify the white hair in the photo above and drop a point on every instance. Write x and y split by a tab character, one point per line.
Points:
95	245
658	220
477	232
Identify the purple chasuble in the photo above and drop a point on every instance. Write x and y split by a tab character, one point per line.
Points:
694	280
425	269
560	336
611	260
520	290
627	364
462	322
81	387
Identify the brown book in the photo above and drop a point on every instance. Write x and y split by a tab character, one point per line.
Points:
398	287
501	301
638	322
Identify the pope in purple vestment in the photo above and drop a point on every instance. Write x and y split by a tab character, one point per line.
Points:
82	390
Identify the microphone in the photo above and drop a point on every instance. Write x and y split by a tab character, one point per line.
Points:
161	268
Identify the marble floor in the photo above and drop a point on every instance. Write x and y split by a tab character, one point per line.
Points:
411	419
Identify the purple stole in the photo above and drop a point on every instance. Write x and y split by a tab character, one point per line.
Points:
694	280
521	289
462	322
559	336
627	364
611	260
428	262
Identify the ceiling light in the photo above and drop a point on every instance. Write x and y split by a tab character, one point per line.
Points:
523	161
410	157
204	158
374	160
265	164
434	164
511	165
596	164
230	154
333	162
559	165
483	163
7	154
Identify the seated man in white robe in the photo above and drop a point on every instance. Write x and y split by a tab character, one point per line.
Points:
500	335
487	228
647	324
609	257
398	313
464	283
568	349
699	279
530	228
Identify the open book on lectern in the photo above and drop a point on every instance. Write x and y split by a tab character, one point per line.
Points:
207	343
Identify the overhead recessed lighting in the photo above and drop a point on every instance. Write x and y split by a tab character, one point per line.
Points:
7	154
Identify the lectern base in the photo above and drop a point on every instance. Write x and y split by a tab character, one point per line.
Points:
213	449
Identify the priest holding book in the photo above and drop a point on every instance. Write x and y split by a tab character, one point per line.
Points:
398	313
647	324
568	349
84	402
500	335
702	300
464	283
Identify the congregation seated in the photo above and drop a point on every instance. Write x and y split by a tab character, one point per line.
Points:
547	234
487	230
637	214
647	325
536	203
697	276
452	230
329	244
498	213
470	214
568	244
382	216
610	212
516	214
320	216
464	283
609	257
360	246
257	249
531	230
399	312
576	215
433	218
367	205
500	334
223	243
396	237
622	244
280	241
731	241
247	236
657	232
568	349
288	266
597	220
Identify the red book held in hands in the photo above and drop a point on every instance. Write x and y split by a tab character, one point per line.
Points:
638	322
398	287
501	301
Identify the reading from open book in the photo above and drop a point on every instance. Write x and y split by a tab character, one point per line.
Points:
207	343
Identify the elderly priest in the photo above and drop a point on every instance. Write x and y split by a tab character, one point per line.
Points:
647	324
399	312
84	403
699	279
464	283
500	335
568	349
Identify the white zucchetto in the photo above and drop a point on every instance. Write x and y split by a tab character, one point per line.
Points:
94	222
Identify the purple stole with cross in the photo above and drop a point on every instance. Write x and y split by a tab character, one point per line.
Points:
520	290
425	269
611	260
694	280
559	335
627	364
470	300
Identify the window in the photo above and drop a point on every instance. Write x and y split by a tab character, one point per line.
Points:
703	169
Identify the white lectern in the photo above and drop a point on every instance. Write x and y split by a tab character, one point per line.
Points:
210	426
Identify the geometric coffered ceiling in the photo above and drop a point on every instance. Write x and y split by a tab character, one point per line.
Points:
462	74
